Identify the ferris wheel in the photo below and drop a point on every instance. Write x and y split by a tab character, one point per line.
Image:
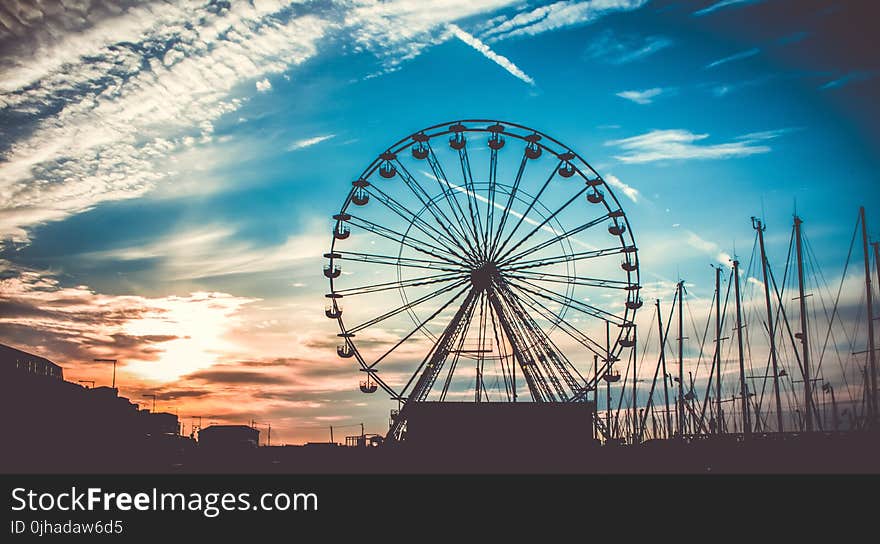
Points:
482	261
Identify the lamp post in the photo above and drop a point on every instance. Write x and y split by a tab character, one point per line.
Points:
269	432
114	368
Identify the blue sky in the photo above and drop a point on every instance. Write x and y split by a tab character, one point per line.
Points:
169	169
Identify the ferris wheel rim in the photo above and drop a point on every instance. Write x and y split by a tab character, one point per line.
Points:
470	126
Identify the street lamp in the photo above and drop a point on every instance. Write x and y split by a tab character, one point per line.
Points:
114	368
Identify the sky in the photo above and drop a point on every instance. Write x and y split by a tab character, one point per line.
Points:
168	171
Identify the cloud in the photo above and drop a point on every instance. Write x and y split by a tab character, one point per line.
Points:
557	16
97	102
264	85
630	192
237	377
709	248
722	4
641	97
107	106
399	31
680	144
851	77
720	90
211	251
487	52
738	56
309	142
624	49
156	338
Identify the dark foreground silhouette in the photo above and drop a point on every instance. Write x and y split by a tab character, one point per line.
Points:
54	426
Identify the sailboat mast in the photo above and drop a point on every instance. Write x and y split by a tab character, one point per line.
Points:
808	385
872	355
718	413
876	246
635	408
756	223
608	363
663	363
680	410
744	392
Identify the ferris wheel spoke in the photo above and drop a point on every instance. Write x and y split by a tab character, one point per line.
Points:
456	353
566	327
554	359
480	359
508	375
426	374
510	200
560	361
409	305
408	215
535	383
412	282
566	258
529	276
473	205
490	201
391	260
569	302
439	215
405	240
518	337
447	189
558	238
523	216
419	327
532	344
543	224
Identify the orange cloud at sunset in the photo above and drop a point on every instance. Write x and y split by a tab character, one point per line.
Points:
210	354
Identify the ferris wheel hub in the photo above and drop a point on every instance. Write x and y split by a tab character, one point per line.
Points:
482	276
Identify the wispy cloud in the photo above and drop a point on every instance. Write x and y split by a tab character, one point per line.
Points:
723	4
556	16
735	57
487	52
309	142
629	191
617	50
641	97
710	248
720	90
680	144
400	30
264	85
216	250
107	98
851	77
106	117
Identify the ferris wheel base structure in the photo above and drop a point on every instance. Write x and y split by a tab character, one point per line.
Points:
483	427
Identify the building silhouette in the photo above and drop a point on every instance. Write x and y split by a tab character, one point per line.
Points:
229	437
53	425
